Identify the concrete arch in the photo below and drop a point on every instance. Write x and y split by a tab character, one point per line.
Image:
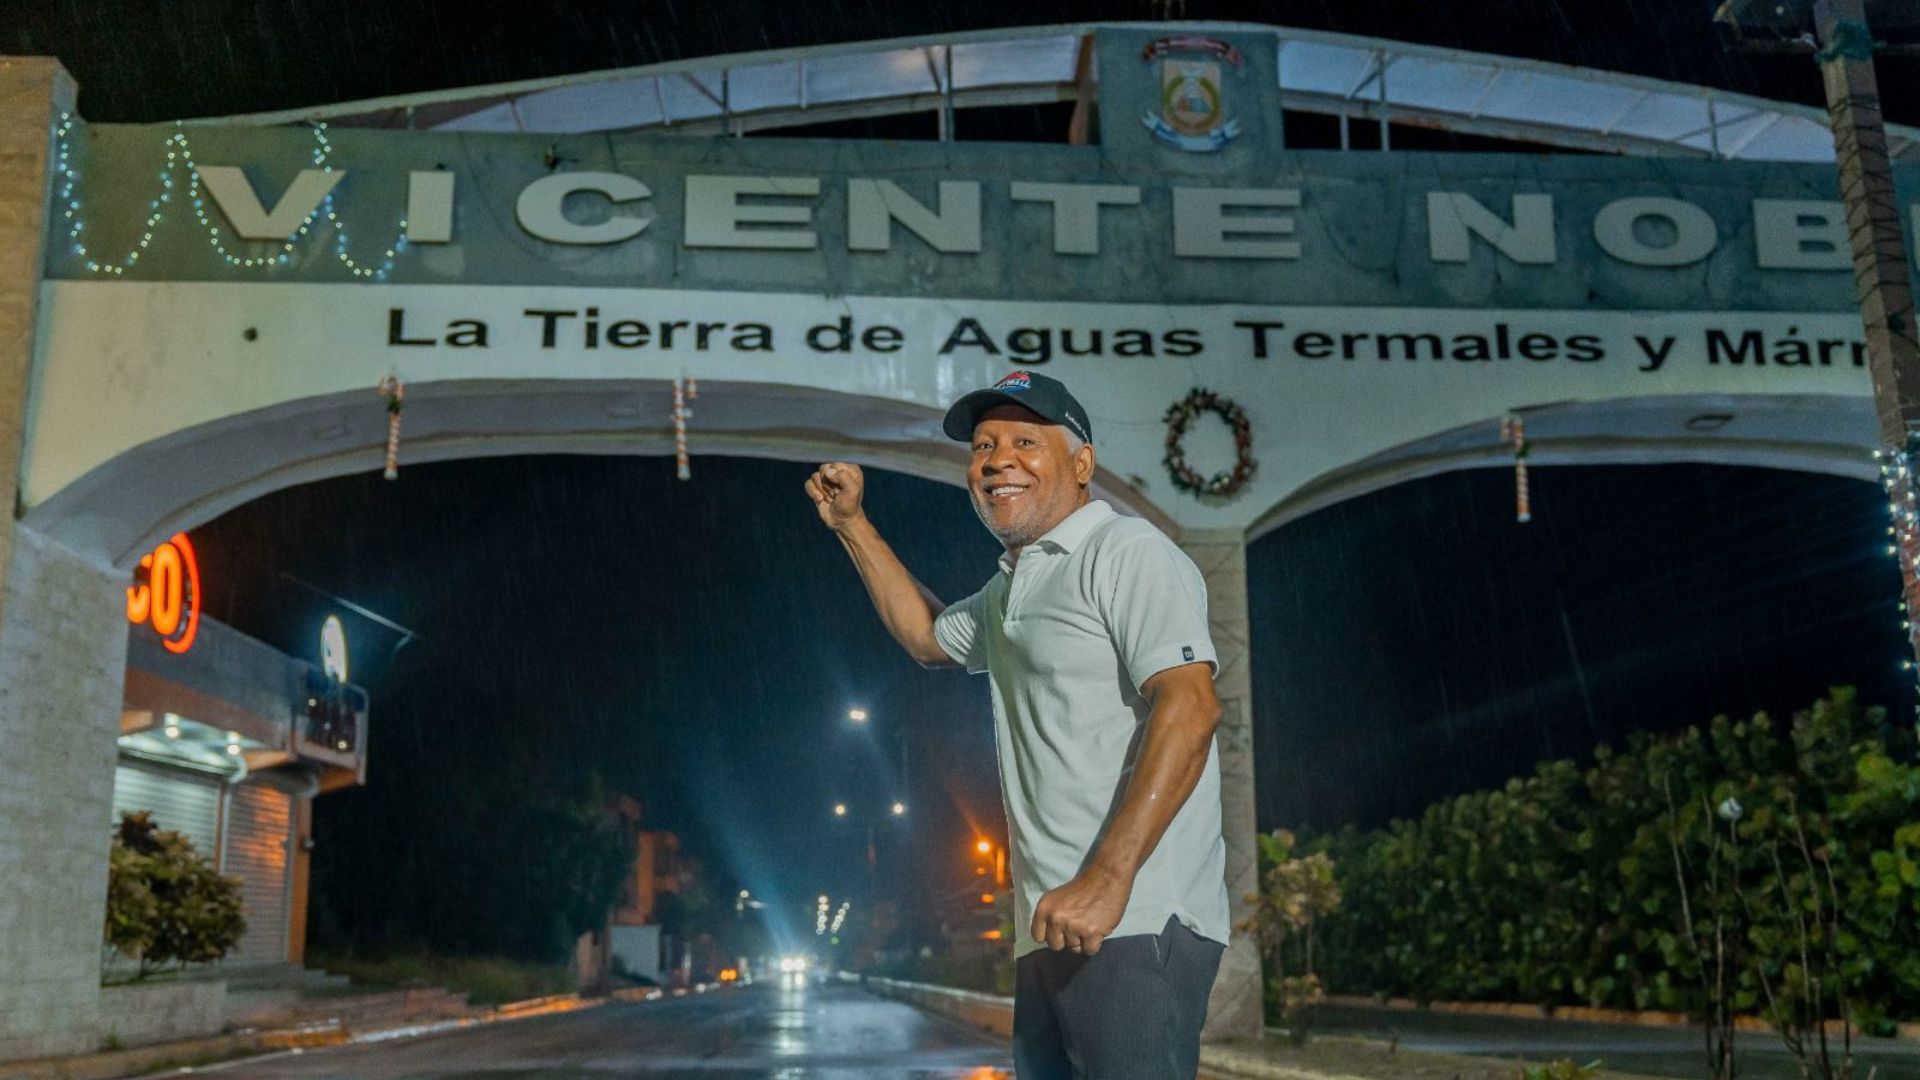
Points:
123	507
1820	433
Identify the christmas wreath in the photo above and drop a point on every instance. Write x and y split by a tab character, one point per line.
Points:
1180	416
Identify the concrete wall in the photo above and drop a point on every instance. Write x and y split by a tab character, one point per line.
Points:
139	1013
62	652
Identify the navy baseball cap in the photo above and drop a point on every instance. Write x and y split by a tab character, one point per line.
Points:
1047	398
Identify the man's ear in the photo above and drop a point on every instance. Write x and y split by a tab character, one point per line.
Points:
1083	465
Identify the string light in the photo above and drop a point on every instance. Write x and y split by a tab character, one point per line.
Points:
180	157
1898	476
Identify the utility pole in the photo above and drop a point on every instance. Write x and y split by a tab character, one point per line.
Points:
1837	34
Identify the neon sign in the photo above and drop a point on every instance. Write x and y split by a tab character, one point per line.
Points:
165	593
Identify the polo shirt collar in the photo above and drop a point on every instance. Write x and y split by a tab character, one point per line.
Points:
1070	533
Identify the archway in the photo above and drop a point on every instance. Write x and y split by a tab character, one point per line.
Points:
1819	433
120	509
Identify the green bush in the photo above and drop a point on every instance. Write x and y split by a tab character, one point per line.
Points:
1296	892
166	904
1743	868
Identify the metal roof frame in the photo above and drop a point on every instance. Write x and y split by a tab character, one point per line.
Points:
1531	101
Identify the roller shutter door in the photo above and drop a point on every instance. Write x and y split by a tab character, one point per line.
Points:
259	834
185	802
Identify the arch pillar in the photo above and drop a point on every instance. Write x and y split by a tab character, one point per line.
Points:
63	641
1235	1009
63	655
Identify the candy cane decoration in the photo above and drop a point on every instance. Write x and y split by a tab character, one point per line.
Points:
1513	430
684	390
395	393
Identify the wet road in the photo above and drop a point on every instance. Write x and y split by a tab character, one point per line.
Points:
778	1032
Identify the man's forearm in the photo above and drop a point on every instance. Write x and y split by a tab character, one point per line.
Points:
906	607
1173	755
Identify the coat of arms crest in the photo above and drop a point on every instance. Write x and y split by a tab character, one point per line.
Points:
1193	113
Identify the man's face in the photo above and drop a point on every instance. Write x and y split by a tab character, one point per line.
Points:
1025	476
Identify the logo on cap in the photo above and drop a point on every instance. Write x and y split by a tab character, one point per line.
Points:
1019	380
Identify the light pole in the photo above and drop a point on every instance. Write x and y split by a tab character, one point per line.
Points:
860	717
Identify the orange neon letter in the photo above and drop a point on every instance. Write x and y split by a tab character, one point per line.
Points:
191	584
167	589
170	595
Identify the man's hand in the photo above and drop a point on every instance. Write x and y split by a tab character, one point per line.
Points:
836	489
1080	914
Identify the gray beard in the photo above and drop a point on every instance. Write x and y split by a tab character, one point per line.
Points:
1010	539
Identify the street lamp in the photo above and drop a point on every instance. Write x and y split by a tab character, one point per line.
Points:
839	809
899	809
858	716
987	850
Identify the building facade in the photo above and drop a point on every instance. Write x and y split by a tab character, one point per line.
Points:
229	743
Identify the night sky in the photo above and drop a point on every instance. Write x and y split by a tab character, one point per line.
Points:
698	644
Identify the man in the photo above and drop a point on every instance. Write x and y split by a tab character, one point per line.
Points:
1094	640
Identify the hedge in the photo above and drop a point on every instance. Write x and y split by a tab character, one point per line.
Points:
1748	867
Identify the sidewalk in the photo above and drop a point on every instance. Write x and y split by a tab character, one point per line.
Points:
109	1064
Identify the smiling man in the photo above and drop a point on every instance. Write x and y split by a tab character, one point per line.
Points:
1094	639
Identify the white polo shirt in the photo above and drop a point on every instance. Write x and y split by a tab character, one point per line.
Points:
1093	609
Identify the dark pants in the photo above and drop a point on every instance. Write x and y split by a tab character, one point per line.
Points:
1132	1011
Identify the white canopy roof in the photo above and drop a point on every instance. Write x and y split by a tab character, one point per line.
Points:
1475	93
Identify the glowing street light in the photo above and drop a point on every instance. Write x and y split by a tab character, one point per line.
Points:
858	716
983	846
839	809
899	809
